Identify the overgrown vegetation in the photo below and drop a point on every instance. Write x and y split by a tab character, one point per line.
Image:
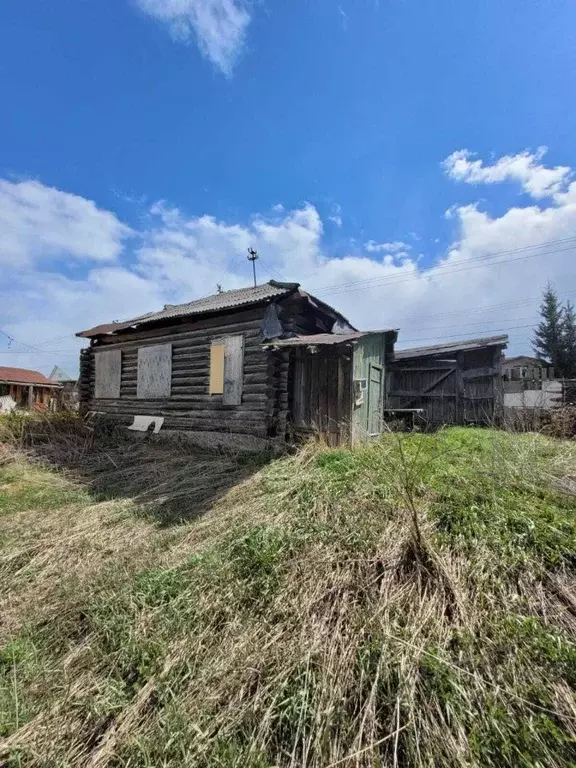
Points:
408	603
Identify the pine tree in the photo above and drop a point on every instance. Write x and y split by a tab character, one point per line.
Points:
548	340
569	340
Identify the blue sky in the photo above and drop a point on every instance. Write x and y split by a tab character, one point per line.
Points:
145	143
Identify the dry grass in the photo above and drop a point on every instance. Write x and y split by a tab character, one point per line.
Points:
410	603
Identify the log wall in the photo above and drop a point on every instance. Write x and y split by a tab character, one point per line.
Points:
262	411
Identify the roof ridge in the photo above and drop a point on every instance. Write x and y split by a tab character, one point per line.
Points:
273	283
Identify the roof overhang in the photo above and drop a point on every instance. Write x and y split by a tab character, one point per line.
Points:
326	339
452	347
18	383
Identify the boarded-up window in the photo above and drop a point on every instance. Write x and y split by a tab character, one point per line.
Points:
154	372
227	369
217	368
233	370
108	372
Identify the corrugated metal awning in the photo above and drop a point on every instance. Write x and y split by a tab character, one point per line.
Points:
324	339
453	346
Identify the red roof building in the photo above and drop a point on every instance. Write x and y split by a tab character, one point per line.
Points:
29	389
24	376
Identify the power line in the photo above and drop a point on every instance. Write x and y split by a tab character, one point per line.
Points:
464	325
543	244
12	340
484	308
436	271
58	338
274	274
493	332
441	269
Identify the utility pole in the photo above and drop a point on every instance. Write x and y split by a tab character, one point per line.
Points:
252	256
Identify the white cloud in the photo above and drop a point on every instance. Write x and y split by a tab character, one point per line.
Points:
219	26
469	291
336	215
373	247
39	223
526	168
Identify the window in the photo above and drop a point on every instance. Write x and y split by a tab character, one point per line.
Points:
108	371
154	372
227	369
217	351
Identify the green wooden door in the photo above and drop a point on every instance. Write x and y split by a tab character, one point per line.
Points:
375	400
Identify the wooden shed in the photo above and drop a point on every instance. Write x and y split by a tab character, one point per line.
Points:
454	383
265	363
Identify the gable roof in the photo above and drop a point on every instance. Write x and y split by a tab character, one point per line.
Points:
218	302
240	297
453	346
59	375
520	358
24	376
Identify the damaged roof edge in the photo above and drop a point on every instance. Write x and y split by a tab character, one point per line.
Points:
324	339
319	303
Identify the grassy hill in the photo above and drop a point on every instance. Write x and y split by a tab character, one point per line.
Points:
409	603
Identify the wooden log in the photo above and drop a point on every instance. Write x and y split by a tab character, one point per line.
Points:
190	424
198	417
256	374
206	322
191	403
194	389
174	333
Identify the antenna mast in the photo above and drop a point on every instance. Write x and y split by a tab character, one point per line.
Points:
252	256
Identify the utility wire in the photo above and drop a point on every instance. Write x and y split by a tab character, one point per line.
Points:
436	271
12	340
274	274
441	269
494	332
487	307
543	244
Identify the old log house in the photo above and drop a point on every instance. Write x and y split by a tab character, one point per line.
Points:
269	363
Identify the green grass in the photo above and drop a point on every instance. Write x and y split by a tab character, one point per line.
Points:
408	603
24	487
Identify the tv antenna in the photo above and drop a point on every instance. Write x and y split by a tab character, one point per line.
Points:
252	256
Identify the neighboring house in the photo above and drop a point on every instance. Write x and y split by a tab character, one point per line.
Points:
529	383
524	368
455	383
61	377
29	389
68	399
268	362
